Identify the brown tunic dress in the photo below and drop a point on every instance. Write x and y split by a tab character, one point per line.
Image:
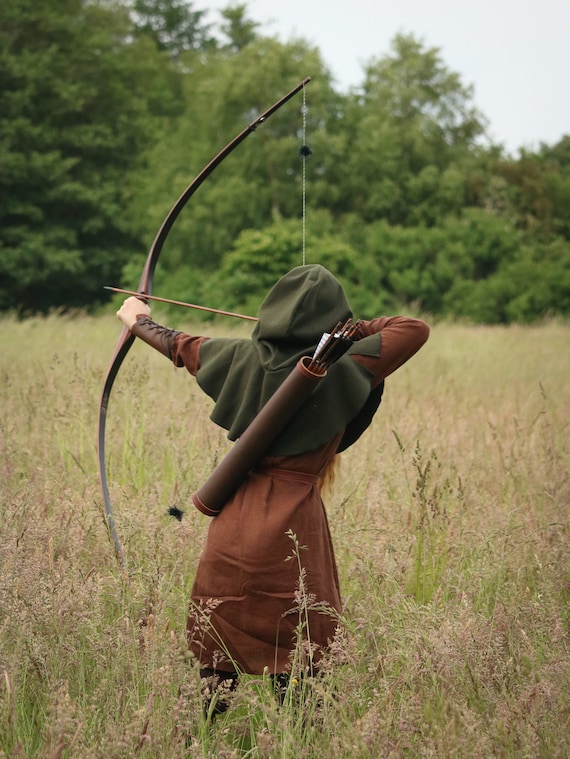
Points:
268	570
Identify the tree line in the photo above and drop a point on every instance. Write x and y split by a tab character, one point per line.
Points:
109	109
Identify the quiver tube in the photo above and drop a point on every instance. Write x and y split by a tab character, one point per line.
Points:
250	448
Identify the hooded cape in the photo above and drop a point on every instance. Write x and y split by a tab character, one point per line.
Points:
241	375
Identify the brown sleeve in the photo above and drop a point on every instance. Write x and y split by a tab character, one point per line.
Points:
158	337
402	337
180	348
186	351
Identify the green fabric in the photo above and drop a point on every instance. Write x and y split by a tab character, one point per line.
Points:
241	375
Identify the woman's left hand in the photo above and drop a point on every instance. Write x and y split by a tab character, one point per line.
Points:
131	309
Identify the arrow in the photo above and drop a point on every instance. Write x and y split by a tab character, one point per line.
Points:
145	297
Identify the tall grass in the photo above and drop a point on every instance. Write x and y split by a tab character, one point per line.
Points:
451	526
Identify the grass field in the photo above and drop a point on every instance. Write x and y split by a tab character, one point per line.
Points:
451	525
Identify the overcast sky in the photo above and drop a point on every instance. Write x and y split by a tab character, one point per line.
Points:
516	53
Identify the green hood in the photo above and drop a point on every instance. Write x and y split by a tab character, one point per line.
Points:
301	306
241	375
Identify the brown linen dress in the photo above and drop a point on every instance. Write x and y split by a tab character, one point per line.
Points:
248	601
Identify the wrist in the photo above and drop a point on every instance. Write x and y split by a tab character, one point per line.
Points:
159	337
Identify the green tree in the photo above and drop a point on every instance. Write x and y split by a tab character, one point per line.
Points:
238	28
437	267
75	117
537	188
534	285
174	25
413	127
260	182
259	257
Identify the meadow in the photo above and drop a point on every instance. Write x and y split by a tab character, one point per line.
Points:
450	520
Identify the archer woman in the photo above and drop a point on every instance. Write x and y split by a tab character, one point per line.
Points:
244	616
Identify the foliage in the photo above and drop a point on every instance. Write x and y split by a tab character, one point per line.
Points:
538	190
76	115
259	257
536	283
253	186
237	27
413	128
173	25
109	109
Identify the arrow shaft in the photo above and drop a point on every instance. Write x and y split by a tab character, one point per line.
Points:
144	296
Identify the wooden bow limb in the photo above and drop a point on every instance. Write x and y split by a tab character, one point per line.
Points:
126	339
145	297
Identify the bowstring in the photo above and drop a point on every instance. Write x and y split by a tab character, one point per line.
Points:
304	179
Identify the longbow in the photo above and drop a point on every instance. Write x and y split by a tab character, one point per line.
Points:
126	339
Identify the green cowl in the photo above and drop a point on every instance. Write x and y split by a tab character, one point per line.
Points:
241	375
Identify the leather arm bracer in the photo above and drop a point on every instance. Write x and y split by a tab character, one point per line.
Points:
160	338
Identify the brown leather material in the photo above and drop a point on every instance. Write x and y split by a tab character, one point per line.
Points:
160	338
202	508
246	452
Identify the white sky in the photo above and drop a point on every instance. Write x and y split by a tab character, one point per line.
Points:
516	53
